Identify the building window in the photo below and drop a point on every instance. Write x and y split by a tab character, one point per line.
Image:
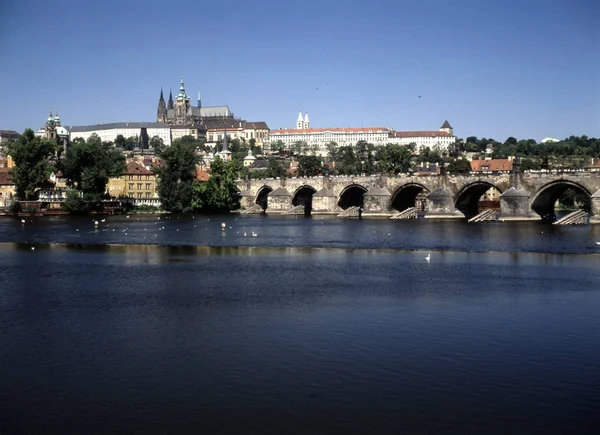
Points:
147	186
130	186
139	186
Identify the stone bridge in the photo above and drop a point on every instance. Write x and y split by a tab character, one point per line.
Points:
526	195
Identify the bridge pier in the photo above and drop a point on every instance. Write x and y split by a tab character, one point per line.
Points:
514	205
595	215
247	199
280	199
440	204
324	201
376	200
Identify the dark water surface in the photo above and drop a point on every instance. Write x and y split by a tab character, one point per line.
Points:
313	326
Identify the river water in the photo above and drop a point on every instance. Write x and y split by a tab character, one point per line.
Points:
310	326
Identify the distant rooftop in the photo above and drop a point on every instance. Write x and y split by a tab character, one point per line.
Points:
115	125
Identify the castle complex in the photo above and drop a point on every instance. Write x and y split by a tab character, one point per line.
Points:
215	121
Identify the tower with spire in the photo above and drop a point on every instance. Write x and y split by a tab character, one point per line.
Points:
161	113
182	105
306	122
50	129
170	106
447	127
300	121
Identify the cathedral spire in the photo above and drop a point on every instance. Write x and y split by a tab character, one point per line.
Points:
199	101
182	89
170	106
161	112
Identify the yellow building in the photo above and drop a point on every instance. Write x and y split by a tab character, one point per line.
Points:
7	188
137	183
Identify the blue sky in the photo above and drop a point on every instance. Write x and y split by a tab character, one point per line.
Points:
528	68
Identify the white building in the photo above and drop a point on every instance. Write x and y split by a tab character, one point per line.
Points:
423	139
550	139
316	139
109	132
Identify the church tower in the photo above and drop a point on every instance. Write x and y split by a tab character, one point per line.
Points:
306	121
182	105
50	129
300	122
161	113
447	128
170	106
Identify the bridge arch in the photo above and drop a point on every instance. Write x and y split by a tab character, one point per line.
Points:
544	200
467	199
352	196
262	196
303	196
406	196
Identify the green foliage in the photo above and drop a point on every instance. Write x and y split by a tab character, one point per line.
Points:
431	155
349	160
176	177
309	166
157	144
572	199
74	203
394	159
31	155
278	147
89	165
459	166
219	194
276	169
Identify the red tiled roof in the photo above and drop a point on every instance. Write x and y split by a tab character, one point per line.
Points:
332	130
202	175
433	133
492	165
594	164
134	168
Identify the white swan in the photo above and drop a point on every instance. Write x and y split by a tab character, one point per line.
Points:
428	257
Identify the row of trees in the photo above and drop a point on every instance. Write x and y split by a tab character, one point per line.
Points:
180	191
87	165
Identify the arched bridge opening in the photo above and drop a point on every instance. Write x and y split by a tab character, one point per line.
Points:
262	198
352	196
561	195
304	196
410	195
476	197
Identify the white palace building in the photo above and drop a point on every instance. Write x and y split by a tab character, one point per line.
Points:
318	138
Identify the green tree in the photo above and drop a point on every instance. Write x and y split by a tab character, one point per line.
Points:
309	166
120	141
88	166
157	144
459	166
32	170
219	194
74	203
395	159
278	147
332	150
275	169
176	177
298	147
